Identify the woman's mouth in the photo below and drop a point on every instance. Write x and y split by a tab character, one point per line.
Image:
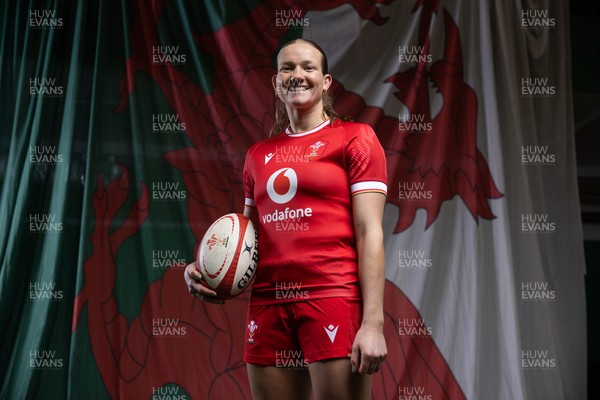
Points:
297	89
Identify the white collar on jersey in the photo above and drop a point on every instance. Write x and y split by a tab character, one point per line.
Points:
313	130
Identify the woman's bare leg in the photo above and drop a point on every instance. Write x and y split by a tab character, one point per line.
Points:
273	383
334	379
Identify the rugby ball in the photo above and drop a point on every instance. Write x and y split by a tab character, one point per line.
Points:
228	255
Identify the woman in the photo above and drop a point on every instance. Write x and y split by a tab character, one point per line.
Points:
316	189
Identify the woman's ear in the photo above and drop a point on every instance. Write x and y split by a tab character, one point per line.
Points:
327	79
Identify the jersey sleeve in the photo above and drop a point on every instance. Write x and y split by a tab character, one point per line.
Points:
248	179
365	161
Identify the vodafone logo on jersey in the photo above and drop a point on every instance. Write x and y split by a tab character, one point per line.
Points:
282	185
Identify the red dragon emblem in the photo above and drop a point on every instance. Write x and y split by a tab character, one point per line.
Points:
130	360
213	240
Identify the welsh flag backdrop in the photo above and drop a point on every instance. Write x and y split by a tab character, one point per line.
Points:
124	130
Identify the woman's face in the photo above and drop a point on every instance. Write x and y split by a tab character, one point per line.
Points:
300	82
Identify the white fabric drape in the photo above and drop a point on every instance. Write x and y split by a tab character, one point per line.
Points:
499	342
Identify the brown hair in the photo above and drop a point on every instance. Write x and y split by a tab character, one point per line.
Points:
282	119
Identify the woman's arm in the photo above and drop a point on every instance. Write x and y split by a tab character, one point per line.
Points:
369	349
252	214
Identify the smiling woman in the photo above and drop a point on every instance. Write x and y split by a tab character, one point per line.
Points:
317	299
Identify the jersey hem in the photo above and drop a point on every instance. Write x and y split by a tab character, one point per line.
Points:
269	301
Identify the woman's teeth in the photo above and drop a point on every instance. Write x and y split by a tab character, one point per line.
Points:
297	89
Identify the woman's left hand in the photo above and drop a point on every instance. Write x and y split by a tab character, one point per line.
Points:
369	350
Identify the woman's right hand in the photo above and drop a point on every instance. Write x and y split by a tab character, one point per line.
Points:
193	280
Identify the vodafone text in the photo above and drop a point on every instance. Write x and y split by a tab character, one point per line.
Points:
287	214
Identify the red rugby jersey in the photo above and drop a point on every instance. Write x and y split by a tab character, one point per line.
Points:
302	185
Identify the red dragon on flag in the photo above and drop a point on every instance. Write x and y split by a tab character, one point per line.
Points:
221	126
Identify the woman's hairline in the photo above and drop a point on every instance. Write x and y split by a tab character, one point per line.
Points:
324	63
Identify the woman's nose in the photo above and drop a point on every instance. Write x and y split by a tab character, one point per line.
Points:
297	73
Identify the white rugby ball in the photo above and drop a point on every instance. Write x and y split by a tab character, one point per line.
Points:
228	255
